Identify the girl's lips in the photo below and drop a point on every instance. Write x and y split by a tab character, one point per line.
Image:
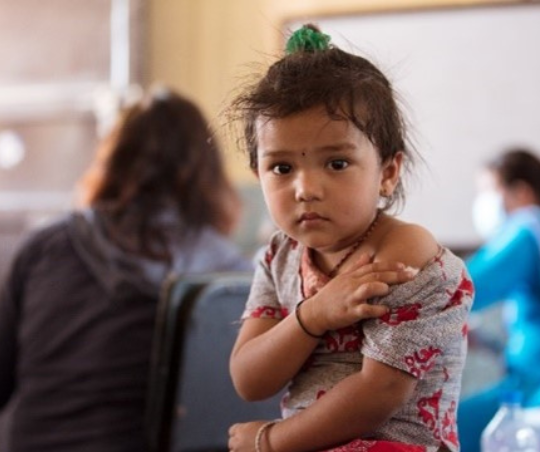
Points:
310	216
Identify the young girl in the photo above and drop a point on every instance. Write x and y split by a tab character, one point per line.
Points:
326	141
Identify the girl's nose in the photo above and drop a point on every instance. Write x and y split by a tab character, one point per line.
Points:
307	188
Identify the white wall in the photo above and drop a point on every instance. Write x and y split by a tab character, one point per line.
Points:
470	82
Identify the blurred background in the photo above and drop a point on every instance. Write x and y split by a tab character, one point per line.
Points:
467	72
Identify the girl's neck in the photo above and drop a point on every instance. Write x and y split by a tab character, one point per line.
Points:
332	266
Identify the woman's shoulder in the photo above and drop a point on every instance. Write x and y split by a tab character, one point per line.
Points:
46	234
39	243
405	242
212	251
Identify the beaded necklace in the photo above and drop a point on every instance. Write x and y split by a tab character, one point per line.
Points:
356	245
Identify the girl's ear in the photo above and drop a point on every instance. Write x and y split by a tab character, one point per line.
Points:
391	172
255	172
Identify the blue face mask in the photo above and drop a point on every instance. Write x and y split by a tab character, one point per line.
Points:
488	213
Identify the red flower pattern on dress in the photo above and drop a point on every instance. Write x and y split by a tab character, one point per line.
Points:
346	339
402	314
464	289
438	259
270	253
449	430
269	312
293	243
422	361
428	411
446	374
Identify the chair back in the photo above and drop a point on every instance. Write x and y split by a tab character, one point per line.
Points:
192	401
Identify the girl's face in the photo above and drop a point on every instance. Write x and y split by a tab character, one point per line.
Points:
321	178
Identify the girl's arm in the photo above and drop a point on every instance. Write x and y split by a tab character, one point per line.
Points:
354	408
269	353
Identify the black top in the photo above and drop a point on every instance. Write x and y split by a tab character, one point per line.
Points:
74	354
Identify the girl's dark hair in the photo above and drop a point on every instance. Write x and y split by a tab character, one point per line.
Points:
518	165
346	85
160	155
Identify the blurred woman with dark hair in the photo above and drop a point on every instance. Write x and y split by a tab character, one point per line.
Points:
507	269
77	309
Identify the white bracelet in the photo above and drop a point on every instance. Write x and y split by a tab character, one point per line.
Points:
260	433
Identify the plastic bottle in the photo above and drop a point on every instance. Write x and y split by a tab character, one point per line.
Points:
508	431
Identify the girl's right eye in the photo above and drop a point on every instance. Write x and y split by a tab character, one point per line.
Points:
281	168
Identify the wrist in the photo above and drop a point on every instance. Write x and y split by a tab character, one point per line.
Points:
307	319
262	439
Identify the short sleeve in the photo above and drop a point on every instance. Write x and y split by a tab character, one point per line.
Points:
263	301
427	319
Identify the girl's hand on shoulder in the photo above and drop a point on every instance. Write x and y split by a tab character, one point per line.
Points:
344	300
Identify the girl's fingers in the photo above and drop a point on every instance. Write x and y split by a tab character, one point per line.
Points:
374	267
363	260
369	280
364	310
370	290
369	311
387	276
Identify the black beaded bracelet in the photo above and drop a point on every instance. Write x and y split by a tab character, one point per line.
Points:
297	314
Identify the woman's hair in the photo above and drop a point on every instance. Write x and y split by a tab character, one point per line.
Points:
518	165
161	154
348	86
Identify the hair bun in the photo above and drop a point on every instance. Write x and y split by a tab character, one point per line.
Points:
307	39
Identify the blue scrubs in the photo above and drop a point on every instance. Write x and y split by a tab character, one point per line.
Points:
508	268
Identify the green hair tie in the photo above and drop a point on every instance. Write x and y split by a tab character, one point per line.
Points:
307	39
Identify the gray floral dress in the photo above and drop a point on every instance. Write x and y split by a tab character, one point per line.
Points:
423	334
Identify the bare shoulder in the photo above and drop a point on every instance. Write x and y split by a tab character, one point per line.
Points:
408	243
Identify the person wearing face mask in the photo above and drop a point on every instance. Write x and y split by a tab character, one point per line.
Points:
507	269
